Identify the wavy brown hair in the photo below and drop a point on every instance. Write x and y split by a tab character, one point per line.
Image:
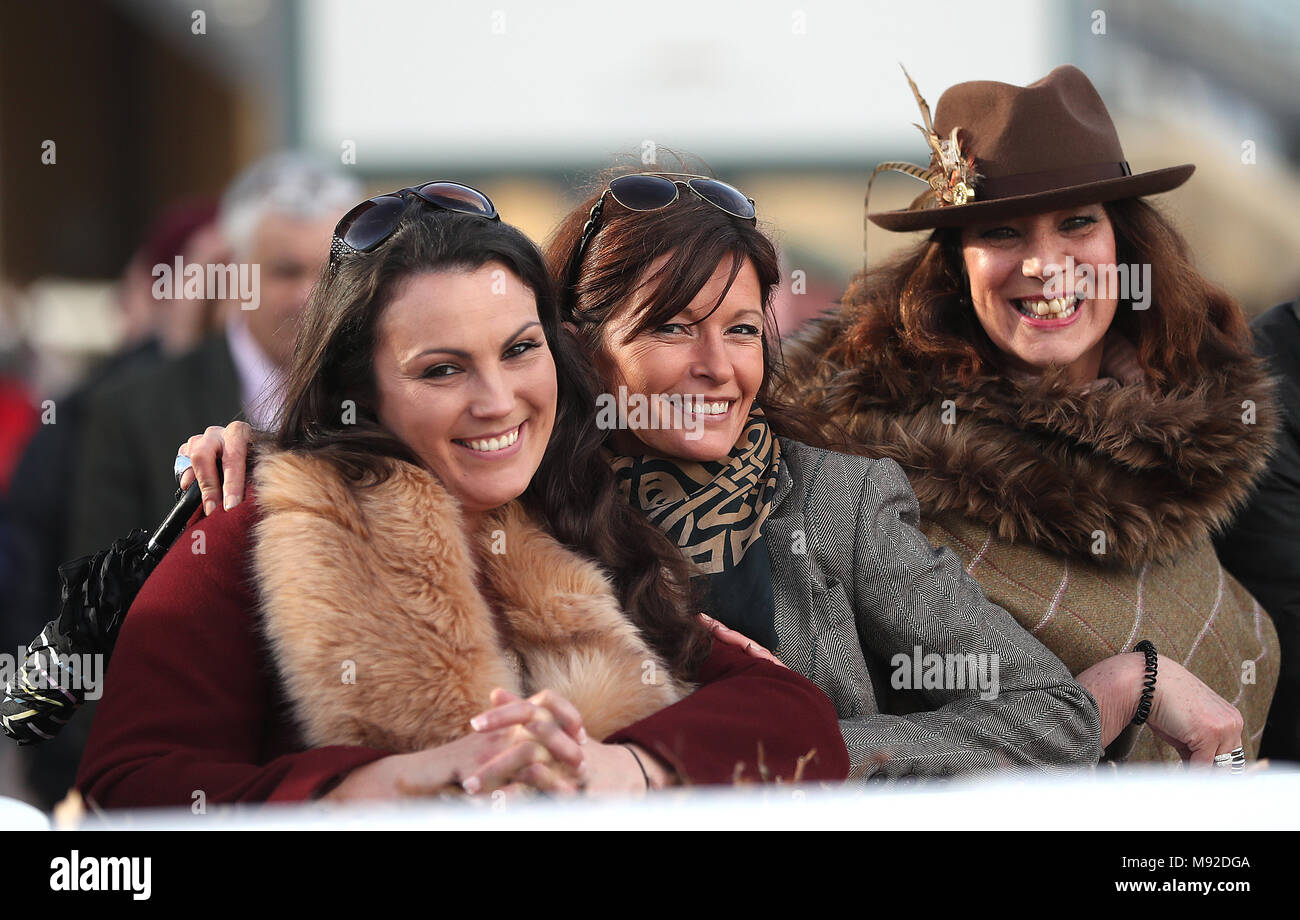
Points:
572	492
696	238
919	303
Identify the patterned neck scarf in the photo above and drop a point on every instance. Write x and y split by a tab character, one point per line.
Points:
714	510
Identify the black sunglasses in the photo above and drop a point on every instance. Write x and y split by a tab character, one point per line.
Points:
652	191
367	225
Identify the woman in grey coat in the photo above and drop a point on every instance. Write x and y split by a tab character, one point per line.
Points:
810	552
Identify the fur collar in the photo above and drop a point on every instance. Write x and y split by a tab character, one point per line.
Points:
380	632
1040	461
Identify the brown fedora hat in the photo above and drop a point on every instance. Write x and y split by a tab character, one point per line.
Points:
1018	150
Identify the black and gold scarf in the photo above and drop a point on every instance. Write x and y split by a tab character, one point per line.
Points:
715	512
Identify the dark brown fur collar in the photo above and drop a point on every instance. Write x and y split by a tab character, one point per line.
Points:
1040	461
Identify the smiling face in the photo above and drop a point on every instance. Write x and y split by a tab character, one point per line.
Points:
717	363
1008	266
465	378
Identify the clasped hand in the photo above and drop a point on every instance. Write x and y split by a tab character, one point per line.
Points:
520	746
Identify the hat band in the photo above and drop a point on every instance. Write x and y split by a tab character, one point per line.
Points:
1050	180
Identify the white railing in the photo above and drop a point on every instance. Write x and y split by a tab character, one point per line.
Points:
1132	799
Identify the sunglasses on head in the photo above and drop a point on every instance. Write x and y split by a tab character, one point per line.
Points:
652	191
370	223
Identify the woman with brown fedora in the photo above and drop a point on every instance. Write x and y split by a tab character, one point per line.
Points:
1076	407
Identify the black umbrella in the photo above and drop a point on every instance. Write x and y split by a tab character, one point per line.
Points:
97	590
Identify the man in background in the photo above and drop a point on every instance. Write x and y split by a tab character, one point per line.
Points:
279	217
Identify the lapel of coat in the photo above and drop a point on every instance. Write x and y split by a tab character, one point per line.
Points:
824	648
792	575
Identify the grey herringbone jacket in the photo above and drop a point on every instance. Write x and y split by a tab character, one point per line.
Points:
856	584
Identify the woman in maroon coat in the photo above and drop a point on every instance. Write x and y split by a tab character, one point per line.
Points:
432	536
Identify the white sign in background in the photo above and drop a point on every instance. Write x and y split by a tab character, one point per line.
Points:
492	83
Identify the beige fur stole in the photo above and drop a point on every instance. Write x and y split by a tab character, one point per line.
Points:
379	630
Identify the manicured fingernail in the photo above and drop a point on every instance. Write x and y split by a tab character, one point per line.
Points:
210	506
582	736
478	723
231	501
583	771
471	785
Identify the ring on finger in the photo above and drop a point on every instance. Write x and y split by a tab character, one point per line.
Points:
1233	756
182	464
1234	760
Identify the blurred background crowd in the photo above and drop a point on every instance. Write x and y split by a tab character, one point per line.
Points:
126	122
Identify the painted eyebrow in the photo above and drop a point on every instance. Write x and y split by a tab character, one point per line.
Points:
464	355
747	312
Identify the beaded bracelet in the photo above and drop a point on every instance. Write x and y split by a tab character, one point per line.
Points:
1149	684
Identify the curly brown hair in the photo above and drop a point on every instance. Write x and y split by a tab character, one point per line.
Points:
918	302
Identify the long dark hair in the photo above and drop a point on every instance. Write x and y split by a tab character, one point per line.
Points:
572	492
696	238
918	303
